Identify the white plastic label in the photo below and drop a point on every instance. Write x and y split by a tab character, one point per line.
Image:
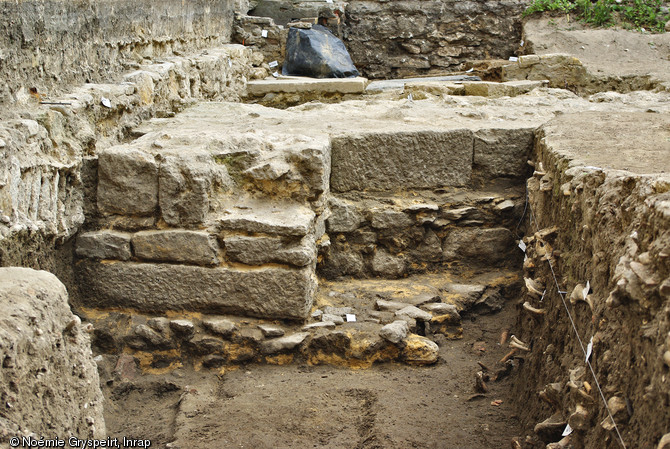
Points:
513	58
276	74
585	292
351	318
589	349
567	431
329	1
273	64
105	102
522	246
264	33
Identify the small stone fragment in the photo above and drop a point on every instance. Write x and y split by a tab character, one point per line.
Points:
394	332
415	312
270	331
332	318
283	343
339	311
392	306
183	328
319	325
420	350
223	327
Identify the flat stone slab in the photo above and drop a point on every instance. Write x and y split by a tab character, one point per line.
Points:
295	84
275	219
382	85
264	292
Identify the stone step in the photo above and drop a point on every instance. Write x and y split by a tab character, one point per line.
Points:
268	292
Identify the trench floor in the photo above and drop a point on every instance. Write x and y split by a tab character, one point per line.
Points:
300	406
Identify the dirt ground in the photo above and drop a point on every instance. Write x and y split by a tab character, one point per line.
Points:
294	406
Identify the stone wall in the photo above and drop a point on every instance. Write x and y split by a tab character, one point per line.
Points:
53	45
49	151
401	38
49	381
608	227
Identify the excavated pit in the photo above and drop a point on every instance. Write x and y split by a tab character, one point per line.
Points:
339	264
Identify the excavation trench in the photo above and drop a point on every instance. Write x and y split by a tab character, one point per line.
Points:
325	284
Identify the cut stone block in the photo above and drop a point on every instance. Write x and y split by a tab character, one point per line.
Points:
191	247
184	187
413	160
104	245
292	84
155	288
503	152
127	182
389	218
387	265
487	245
262	250
276	219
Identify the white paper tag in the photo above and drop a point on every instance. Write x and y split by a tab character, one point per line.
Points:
410	97
273	64
276	74
513	58
264	33
105	102
522	42
585	292
329	1
351	318
522	246
230	63
567	431
469	70
589	349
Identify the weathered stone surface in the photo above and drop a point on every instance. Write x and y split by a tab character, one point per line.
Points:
392	306
394	332
414	312
430	248
104	245
221	326
327	317
385	264
262	250
185	185
485	245
276	219
383	162
191	247
46	354
152	338
338	311
344	217
341	262
420	350
319	325
389	219
283	343
440	308
266	293
127	182
502	152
